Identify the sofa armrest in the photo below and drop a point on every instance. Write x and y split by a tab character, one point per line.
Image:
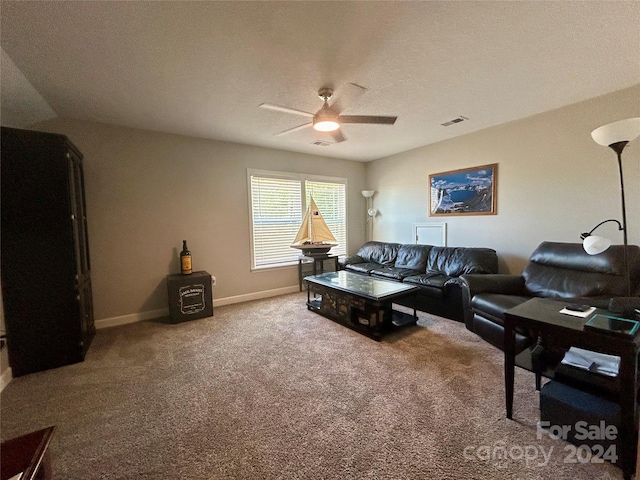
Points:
466	286
493	283
456	299
624	305
344	261
458	289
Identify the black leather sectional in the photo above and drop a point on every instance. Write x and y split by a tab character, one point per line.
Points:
434	269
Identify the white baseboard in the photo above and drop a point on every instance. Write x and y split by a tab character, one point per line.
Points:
131	318
247	297
5	378
164	312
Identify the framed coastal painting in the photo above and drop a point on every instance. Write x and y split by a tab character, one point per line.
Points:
468	191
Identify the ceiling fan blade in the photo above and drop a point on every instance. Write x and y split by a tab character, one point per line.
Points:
294	129
371	119
280	108
347	96
338	136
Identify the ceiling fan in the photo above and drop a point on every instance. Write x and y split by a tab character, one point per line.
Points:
328	118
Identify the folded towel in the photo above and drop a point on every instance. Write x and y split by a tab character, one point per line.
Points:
602	363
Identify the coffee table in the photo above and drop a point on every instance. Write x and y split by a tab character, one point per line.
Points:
360	302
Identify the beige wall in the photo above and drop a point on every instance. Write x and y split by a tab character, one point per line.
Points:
553	181
147	191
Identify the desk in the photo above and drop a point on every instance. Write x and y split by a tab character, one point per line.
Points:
542	316
27	454
318	264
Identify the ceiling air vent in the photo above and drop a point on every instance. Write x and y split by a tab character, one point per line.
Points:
455	120
321	143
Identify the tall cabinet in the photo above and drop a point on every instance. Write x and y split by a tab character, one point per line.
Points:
46	282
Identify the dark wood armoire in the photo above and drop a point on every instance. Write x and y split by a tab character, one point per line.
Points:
46	282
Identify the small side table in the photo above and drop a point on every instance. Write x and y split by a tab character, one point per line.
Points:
189	296
542	316
317	263
27	454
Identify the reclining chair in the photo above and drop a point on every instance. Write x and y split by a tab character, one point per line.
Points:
555	270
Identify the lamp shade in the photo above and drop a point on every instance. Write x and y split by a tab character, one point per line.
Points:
326	120
595	244
326	125
620	131
367	193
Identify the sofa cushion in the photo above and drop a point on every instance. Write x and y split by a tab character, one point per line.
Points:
565	270
344	261
431	292
493	305
393	273
493	333
413	257
456	261
362	267
432	283
381	253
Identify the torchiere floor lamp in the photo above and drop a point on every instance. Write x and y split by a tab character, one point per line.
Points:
371	212
616	135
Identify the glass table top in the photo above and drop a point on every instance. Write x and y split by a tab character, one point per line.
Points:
363	285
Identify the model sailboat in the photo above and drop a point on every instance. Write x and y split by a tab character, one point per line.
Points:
314	236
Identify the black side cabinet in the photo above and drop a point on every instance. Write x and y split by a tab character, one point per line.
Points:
189	296
46	283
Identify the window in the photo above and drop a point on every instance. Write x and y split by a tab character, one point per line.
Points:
277	208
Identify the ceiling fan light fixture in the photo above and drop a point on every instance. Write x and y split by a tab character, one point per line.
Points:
325	125
326	120
329	118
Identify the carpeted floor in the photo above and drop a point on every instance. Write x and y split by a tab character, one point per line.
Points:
269	390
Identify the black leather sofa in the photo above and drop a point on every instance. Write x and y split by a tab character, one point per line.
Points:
432	268
555	270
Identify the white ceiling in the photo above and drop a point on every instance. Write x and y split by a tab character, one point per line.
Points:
202	68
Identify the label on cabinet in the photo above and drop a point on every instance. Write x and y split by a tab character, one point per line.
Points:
192	299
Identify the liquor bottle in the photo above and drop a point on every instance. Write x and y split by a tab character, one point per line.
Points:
185	259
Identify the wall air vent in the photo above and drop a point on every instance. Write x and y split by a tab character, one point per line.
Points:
455	120
321	143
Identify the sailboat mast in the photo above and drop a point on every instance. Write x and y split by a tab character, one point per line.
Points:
310	217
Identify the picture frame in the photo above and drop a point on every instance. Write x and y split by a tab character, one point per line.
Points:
467	191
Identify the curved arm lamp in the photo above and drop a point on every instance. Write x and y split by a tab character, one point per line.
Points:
616	135
595	244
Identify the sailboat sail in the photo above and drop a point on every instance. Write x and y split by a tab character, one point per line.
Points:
314	235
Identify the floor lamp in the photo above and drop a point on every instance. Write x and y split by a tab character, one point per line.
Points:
616	135
371	212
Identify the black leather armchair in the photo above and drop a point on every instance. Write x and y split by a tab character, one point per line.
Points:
555	270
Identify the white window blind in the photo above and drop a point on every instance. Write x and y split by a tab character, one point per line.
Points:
277	209
276	206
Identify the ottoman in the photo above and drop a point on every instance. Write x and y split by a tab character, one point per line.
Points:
588	421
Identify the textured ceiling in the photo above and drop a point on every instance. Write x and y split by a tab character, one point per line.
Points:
202	68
